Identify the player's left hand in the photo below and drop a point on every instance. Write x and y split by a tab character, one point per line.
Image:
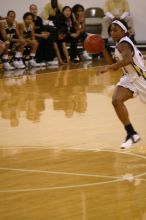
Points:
102	69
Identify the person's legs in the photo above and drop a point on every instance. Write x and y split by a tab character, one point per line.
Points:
74	54
121	95
33	44
18	48
49	51
5	58
40	51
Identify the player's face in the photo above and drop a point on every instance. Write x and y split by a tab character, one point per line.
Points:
117	32
11	17
67	12
34	10
28	20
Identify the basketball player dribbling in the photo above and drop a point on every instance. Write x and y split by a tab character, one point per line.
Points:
133	81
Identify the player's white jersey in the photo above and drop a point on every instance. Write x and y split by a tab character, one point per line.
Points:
137	65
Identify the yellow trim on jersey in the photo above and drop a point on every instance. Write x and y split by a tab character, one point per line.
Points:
140	71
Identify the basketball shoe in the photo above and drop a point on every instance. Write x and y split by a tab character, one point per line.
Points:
7	66
130	140
86	56
33	63
19	64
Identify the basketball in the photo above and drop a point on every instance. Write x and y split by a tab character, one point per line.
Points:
93	44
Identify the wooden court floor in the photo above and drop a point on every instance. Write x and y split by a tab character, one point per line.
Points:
59	147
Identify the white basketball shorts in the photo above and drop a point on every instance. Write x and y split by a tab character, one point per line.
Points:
135	83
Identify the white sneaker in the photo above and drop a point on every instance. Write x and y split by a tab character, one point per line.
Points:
130	140
53	62
22	64
42	64
33	63
86	56
18	64
7	66
76	60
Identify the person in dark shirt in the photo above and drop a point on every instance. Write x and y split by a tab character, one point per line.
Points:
65	19
45	51
60	45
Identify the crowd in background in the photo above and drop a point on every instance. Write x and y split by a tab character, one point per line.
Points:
43	38
53	37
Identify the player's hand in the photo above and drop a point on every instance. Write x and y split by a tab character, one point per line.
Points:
45	35
102	69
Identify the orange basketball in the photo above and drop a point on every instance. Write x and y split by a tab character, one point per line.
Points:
93	44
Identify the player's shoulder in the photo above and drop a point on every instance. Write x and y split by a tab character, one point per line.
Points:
125	44
126	40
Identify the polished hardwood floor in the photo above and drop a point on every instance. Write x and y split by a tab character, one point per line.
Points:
59	147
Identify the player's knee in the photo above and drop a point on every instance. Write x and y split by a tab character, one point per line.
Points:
116	101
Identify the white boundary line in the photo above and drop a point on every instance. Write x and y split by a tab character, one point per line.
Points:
60	187
116	179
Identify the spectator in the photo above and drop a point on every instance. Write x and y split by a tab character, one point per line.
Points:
117	9
65	19
27	31
45	51
51	9
60	45
4	46
79	17
10	34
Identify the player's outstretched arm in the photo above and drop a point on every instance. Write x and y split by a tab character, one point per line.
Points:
108	59
107	56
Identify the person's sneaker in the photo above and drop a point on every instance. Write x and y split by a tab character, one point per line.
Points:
86	56
18	64
42	64
130	140
33	63
53	63
7	66
22	64
76	60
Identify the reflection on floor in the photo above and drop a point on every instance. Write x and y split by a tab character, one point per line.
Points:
59	147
